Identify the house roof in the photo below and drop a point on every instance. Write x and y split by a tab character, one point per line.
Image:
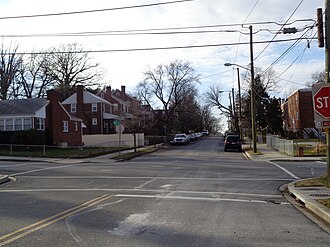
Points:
22	106
88	98
71	117
308	89
119	100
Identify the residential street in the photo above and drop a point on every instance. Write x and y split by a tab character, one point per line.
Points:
189	195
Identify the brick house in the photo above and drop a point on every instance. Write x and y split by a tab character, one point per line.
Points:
45	115
120	100
128	107
65	129
96	112
23	114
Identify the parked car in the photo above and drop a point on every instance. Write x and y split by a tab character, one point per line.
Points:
205	132
180	139
233	142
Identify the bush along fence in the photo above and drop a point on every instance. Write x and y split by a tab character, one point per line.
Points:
305	147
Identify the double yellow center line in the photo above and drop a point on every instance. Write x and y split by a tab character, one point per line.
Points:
10	237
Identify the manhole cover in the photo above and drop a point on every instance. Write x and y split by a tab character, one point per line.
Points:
310	189
320	195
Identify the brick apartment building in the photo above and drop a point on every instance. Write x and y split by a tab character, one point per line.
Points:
298	113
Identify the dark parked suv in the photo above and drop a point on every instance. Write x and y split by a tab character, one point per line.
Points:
233	142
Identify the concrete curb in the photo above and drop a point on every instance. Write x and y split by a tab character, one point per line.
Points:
140	154
310	204
4	179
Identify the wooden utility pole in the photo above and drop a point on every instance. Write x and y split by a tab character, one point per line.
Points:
239	106
327	66
253	97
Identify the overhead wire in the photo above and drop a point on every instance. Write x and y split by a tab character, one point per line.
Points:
239	38
93	11
167	30
240	35
295	10
153	48
286	51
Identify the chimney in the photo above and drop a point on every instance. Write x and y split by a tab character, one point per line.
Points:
123	89
80	100
53	96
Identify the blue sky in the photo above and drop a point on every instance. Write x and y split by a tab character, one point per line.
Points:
126	67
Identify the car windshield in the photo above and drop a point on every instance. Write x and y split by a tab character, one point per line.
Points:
232	138
180	136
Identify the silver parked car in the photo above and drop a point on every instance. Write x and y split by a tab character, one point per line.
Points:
180	139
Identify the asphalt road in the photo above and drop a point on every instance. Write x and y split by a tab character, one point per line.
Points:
191	195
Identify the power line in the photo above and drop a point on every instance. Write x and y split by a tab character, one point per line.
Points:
153	31
153	48
109	33
239	38
92	11
286	51
279	30
226	71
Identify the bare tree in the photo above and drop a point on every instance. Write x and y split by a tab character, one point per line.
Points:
210	123
214	99
70	66
168	84
317	77
9	67
34	76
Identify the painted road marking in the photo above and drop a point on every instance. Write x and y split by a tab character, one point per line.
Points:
43	169
143	190
144	184
161	178
283	169
188	198
10	237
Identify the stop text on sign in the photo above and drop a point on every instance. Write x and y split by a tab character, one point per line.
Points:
322	102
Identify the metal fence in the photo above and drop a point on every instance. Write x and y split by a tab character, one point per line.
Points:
57	152
296	147
281	145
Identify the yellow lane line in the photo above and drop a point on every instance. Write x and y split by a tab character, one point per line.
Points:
53	219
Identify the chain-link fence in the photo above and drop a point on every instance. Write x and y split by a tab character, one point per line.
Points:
296	147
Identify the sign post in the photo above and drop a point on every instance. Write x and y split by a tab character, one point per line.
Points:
321	105
118	123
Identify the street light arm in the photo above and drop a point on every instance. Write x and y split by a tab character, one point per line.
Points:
234	64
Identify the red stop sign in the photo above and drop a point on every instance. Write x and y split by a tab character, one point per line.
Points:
321	100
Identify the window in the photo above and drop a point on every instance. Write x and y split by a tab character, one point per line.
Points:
94	107
115	107
26	124
73	107
40	124
9	124
94	121
2	124
65	126
75	126
18	124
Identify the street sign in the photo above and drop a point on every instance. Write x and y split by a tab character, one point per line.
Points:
321	104
116	123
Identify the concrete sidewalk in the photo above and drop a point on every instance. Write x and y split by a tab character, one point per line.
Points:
309	196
